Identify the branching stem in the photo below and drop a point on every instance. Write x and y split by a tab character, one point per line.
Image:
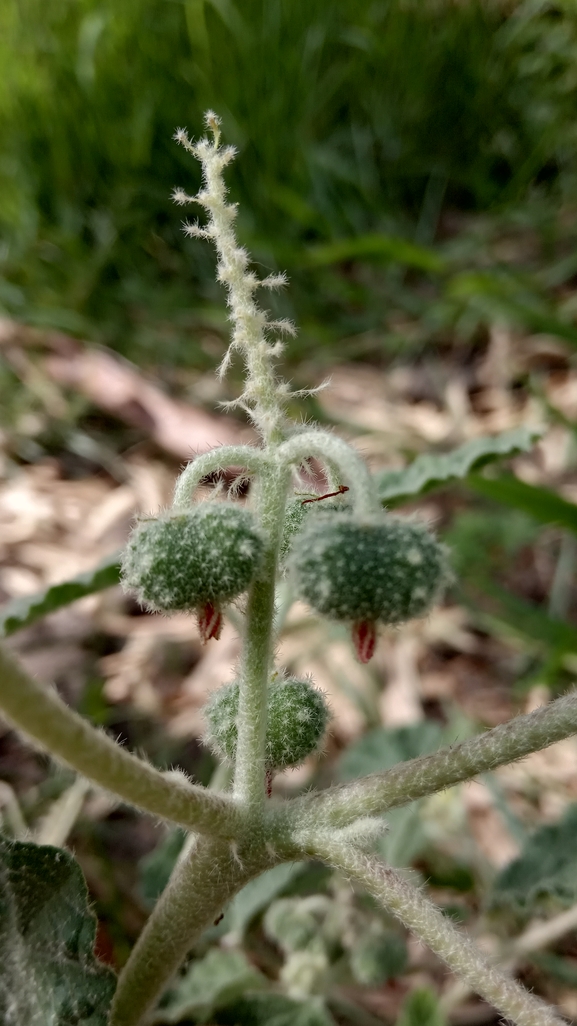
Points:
375	794
200	886
418	914
245	456
334	452
39	712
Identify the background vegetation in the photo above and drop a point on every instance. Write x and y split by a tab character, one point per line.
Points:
412	164
369	134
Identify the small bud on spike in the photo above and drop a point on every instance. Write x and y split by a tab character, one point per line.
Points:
209	622
364	639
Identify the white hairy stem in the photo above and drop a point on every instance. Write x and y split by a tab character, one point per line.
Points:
333	451
248	458
420	916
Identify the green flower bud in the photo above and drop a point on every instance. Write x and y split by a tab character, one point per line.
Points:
296	721
193	561
377	958
372	570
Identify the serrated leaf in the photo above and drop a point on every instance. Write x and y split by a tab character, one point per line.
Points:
545	869
276	1010
213	982
24	611
421	1008
49	974
433	470
541	503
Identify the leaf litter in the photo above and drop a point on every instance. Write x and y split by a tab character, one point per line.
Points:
459	668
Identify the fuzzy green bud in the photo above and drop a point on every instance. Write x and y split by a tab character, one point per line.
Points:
195	560
296	721
371	570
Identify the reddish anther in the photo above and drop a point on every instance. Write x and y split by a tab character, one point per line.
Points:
209	622
340	491
364	639
269	783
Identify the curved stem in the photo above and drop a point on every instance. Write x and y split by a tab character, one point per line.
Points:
257	657
422	917
333	450
198	889
245	456
41	714
537	936
375	794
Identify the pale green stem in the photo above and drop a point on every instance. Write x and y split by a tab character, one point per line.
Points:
333	450
407	781
257	656
55	827
420	916
512	952
245	456
198	889
11	813
41	714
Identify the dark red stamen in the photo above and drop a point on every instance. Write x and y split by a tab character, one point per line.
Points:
340	491
209	622
364	639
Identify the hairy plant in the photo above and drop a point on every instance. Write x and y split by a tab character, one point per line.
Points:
355	564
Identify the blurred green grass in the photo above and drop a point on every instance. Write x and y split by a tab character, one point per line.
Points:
353	119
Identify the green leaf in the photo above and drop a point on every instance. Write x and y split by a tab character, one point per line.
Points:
49	974
545	869
421	1008
154	869
22	612
562	969
214	981
276	1010
433	470
387	248
382	748
524	618
498	295
258	894
544	505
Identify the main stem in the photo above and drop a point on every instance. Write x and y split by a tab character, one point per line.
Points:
198	889
257	658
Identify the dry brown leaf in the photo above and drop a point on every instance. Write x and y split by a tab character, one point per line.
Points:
119	388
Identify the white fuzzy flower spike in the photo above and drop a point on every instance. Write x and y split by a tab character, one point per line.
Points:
264	395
